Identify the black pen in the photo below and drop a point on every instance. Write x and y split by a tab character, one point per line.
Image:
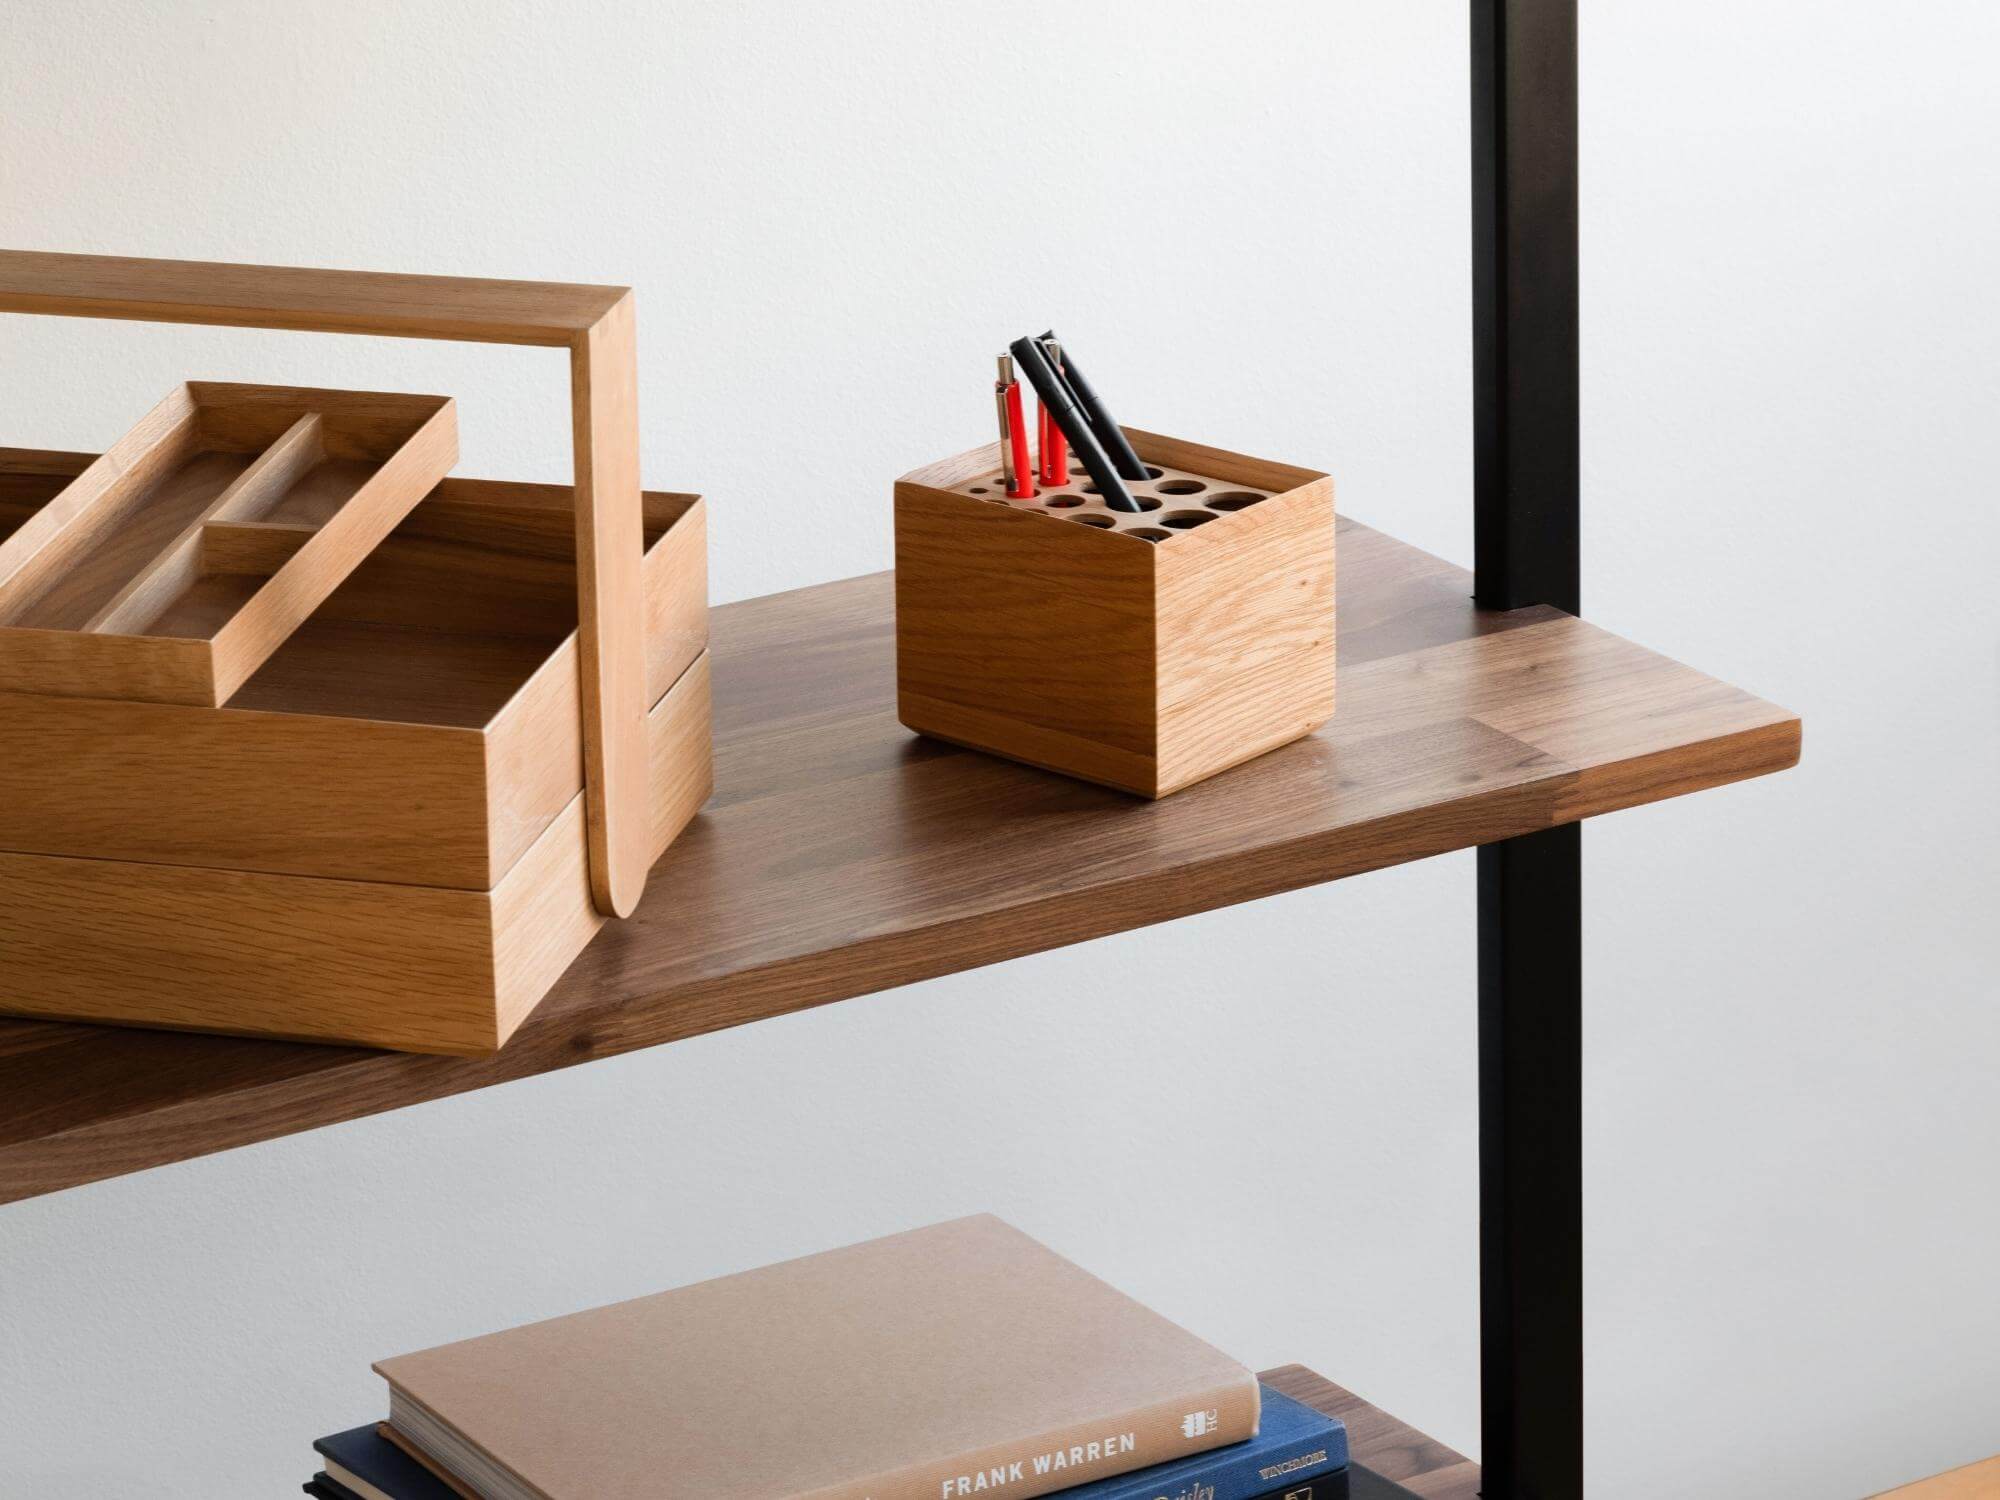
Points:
1108	432
1055	396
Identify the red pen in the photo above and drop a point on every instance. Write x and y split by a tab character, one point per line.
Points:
1014	460
1054	451
1006	432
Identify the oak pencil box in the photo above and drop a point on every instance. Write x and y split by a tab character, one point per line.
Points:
1143	651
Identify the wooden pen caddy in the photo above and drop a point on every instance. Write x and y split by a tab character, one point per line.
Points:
1143	651
297	735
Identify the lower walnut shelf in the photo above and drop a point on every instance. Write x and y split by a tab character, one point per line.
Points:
1393	1449
842	855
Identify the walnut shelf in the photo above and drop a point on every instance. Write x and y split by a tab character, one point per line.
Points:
843	855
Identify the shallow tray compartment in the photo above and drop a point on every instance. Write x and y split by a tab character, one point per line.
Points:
136	582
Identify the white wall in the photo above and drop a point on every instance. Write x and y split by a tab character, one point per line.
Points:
1255	227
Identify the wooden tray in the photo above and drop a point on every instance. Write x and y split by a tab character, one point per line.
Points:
392	804
296	740
595	325
1143	651
144	578
419	727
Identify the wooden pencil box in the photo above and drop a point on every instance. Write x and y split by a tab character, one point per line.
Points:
1143	651
301	738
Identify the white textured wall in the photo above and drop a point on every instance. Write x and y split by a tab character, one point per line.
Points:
1259	1120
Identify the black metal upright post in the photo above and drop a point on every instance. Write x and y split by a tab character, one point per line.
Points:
1525	501
1531	1166
1524	303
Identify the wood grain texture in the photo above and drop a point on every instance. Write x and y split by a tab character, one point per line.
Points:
842	855
409	966
593	322
364	517
107	592
96	507
544	911
1245	633
604	397
1980	1481
534	750
285	793
1021	631
182	561
1393	1449
422	727
214	292
226	951
1143	651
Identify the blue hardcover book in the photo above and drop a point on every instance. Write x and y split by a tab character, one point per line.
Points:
367	1465
1294	1445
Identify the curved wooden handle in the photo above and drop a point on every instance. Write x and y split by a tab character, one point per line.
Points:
595	323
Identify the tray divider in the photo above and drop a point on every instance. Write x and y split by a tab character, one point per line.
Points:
260	547
184	559
276	470
333	551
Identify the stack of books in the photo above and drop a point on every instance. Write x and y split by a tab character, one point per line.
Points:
956	1361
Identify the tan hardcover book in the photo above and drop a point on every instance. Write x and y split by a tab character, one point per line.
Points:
963	1359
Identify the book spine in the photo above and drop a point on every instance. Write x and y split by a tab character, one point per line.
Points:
1246	1476
1065	1457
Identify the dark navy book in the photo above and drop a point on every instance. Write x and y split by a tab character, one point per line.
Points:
364	1454
1294	1445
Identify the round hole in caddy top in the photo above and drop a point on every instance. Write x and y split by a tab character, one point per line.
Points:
1102	523
1181	486
1149	533
1144	502
1234	500
977	489
1063	502
1186	520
